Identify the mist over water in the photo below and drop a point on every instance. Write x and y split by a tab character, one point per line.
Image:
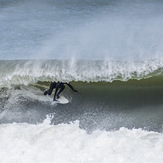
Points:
92	29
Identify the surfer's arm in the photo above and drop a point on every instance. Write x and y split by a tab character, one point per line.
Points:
71	87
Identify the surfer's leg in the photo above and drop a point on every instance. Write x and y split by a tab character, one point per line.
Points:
52	86
56	90
61	89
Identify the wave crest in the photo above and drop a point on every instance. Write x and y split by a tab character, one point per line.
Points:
32	71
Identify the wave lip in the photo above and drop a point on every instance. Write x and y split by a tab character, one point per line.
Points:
32	71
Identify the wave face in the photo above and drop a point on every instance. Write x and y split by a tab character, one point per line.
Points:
110	98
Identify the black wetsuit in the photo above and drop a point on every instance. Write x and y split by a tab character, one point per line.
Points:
59	87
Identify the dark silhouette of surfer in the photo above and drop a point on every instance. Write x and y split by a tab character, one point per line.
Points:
59	87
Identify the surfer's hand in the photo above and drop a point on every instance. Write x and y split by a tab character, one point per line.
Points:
46	92
75	91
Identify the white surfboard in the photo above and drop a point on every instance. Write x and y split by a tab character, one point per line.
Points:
60	100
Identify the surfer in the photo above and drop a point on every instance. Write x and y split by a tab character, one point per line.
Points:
59	87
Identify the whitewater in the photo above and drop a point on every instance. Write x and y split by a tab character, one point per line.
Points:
111	52
68	143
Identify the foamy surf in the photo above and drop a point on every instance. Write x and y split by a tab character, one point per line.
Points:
68	143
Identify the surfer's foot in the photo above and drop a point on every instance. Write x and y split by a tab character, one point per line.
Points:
55	100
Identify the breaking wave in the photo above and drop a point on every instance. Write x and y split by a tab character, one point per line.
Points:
32	71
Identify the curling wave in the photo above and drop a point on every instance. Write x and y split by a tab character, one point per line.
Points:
32	71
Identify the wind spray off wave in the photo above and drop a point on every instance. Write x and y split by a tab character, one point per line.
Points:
116	30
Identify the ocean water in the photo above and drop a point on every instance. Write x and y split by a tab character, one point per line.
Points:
111	52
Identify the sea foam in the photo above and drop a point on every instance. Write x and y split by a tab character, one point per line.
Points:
68	143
